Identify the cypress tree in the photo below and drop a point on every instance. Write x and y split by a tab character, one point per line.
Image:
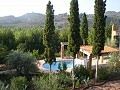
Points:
74	31
99	29
48	35
108	31
84	29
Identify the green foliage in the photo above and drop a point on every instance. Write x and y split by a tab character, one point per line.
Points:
84	29
114	72
3	87
58	54
102	73
74	30
35	40
49	35
22	47
111	43
57	41
108	31
64	79
64	35
74	39
36	54
21	38
59	66
3	53
87	81
31	39
81	72
62	66
22	62
99	27
46	83
90	37
8	39
18	83
77	83
115	58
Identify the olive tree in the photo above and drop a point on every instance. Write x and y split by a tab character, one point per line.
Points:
24	63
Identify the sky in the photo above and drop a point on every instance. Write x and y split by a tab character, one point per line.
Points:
20	7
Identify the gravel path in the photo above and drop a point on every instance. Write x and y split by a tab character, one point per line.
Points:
111	85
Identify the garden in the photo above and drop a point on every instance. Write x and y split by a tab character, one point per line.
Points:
22	48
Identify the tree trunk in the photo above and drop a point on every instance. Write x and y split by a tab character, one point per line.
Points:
96	73
83	41
73	74
50	68
119	44
49	75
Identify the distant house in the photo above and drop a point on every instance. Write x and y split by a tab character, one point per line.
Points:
87	51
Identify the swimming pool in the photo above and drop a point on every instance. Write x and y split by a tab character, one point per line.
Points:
54	65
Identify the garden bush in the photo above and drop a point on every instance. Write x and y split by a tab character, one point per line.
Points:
24	63
114	68
102	73
3	53
18	83
22	47
52	82
45	83
64	79
3	87
81	72
62	66
115	59
36	54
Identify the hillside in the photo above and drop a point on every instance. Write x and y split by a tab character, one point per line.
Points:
37	19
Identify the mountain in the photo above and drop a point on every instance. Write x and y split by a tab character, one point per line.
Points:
27	20
37	19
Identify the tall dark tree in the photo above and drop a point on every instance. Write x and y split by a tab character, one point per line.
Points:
48	35
84	29
99	30
108	31
8	39
74	31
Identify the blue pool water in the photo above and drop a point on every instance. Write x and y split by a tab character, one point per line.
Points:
54	65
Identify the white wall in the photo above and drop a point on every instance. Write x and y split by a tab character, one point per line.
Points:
81	62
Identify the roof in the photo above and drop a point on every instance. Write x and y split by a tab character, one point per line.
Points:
107	49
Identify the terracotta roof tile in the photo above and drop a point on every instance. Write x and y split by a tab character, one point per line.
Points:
107	49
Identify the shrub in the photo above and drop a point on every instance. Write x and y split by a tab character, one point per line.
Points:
46	83
59	66
59	81
113	72
18	83
3	54
22	47
87	81
115	59
3	87
41	57
77	84
102	73
64	79
36	54
81	72
62	67
22	62
114	68
57	54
